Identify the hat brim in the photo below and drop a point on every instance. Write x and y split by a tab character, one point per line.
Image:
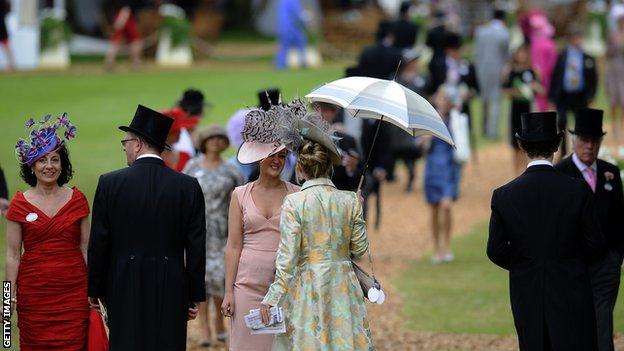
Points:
138	132
201	139
311	132
536	140
589	134
251	152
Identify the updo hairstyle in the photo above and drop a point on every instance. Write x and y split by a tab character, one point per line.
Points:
314	160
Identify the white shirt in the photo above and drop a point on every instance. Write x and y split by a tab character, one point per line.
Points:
582	167
149	155
540	163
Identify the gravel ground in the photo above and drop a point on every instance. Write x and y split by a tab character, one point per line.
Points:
404	236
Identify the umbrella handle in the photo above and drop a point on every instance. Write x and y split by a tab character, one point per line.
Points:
361	182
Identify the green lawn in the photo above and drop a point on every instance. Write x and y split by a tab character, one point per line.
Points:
468	296
97	103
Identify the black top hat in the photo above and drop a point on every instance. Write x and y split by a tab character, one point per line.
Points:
150	124
588	122
192	101
452	40
538	126
268	97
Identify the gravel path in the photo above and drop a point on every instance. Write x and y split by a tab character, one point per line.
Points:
404	237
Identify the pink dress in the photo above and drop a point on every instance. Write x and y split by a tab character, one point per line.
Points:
256	268
543	54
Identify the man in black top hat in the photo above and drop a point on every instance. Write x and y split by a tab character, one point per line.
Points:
147	247
405	30
269	97
605	183
544	230
436	37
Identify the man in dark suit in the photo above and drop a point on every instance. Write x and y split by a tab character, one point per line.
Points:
544	230
347	175
436	37
405	30
604	181
459	75
382	59
147	247
574	81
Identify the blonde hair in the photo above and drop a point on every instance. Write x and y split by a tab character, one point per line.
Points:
314	160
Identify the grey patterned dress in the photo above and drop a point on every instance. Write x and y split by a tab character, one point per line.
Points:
217	185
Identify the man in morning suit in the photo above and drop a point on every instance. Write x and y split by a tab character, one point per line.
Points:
146	258
603	179
574	81
544	230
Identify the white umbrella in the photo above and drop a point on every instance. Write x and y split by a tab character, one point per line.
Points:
385	100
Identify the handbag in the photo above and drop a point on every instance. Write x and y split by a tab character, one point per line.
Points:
460	129
97	338
368	282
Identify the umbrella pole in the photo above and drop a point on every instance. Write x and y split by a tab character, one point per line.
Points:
370	152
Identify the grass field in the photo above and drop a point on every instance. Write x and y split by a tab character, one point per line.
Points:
469	296
97	103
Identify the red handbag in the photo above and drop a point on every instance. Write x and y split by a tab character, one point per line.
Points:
97	339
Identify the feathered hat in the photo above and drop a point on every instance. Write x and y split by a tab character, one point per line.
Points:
260	134
295	128
43	137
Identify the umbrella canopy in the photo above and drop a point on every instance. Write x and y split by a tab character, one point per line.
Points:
385	100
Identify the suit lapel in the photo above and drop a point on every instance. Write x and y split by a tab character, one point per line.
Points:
600	179
574	171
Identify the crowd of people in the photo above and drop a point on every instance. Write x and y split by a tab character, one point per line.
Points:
184	233
171	241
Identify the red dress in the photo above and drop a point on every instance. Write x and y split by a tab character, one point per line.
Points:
52	305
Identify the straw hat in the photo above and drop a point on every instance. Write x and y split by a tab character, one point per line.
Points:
206	133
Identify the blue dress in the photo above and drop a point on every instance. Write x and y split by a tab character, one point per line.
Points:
442	172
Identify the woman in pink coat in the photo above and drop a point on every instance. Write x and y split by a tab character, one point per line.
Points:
543	56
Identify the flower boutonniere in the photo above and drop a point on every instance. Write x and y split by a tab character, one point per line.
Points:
608	177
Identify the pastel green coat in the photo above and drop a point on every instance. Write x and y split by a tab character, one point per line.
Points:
321	227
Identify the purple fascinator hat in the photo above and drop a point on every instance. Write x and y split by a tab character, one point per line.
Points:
43	137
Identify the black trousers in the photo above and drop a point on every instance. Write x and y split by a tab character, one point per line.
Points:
568	103
605	280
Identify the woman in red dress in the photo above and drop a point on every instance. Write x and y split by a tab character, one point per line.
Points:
50	223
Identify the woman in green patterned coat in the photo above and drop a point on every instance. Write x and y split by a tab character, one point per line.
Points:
321	228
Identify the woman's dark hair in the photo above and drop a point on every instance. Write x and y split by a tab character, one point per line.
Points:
537	149
66	170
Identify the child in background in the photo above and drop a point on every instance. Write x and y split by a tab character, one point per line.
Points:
521	86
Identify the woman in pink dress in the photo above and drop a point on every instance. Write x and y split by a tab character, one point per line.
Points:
543	56
253	229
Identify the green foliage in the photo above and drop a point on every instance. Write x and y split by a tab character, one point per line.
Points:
53	32
178	28
470	295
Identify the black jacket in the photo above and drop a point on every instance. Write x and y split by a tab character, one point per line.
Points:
544	230
590	78
405	33
341	179
147	254
609	203
379	61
